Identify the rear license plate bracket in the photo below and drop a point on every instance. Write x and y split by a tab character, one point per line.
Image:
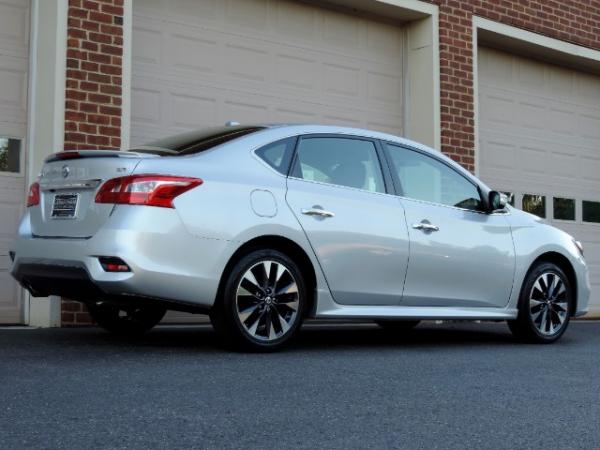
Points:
64	206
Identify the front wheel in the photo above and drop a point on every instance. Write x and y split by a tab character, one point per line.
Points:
126	321
544	305
263	301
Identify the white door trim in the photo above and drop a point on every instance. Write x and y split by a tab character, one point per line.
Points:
126	75
46	115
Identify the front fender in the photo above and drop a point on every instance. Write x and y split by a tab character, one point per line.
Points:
534	238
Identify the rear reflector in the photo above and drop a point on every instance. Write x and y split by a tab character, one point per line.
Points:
149	190
33	197
113	264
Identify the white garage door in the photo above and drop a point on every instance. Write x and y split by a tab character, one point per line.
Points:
14	57
540	139
203	63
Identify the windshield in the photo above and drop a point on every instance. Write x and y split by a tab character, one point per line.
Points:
196	141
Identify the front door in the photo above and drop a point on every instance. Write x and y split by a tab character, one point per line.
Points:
357	230
459	255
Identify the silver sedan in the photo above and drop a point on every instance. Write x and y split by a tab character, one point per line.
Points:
263	226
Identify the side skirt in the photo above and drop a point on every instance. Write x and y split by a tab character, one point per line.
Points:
412	312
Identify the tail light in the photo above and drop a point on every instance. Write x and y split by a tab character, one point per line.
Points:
149	190
33	197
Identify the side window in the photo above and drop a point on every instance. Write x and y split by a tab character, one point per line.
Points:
341	161
424	178
278	154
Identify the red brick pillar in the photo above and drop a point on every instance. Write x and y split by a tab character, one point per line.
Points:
93	90
456	82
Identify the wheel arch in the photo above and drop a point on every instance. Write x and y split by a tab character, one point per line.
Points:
563	262
284	245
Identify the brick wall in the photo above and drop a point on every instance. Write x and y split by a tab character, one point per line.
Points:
93	90
576	21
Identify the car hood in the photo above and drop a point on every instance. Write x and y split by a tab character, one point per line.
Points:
520	218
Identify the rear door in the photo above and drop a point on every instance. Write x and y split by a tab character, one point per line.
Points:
338	194
460	256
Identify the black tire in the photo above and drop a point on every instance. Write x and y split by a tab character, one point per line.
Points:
234	316
397	325
129	322
531	324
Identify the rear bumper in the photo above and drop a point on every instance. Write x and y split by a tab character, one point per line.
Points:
71	281
75	283
167	263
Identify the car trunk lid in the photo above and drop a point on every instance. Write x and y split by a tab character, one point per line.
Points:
68	185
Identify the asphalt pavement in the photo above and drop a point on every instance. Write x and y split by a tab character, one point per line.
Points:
451	385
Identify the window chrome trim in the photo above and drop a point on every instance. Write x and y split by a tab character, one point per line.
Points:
389	194
503	212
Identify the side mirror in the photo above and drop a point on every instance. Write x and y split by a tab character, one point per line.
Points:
496	201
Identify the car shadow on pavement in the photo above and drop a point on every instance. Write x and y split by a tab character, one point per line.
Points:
313	337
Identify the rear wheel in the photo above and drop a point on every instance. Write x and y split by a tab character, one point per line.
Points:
544	306
126	321
397	325
263	301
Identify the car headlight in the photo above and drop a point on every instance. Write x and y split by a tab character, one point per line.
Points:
579	246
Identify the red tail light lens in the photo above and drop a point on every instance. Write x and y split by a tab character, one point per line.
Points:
149	190
33	197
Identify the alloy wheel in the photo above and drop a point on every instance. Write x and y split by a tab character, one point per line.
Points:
548	303
267	300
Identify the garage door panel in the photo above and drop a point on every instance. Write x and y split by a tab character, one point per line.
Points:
562	167
587	89
341	80
589	125
248	13
14	65
10	300
296	71
297	20
146	48
13	91
245	111
590	169
540	134
14	28
203	63
187	110
190	52
247	62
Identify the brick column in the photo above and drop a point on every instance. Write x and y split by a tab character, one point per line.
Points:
93	90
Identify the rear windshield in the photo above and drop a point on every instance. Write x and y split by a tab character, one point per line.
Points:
195	141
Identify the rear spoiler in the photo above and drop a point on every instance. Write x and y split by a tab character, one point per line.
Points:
81	154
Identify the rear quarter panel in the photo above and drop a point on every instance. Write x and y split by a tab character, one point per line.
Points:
233	205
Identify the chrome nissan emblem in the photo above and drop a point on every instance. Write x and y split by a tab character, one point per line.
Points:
65	171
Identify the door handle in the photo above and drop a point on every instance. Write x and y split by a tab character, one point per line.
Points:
317	212
425	226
